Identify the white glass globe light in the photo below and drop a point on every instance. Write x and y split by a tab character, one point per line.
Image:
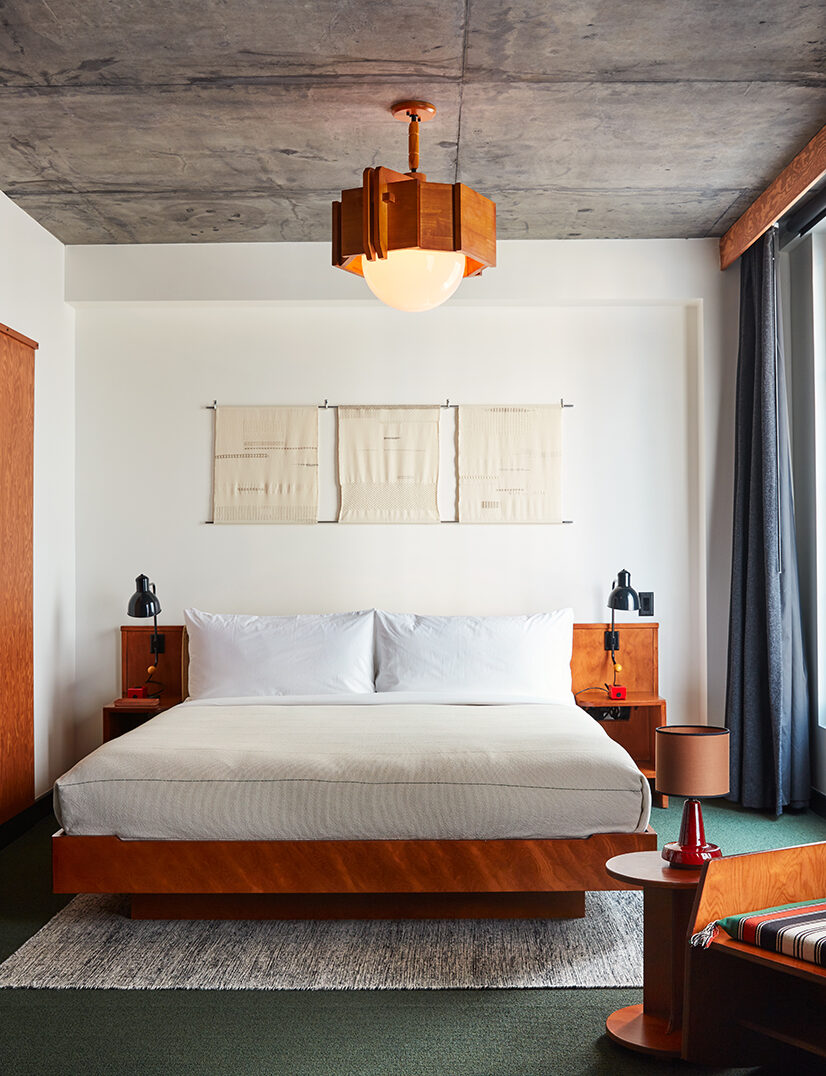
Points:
414	279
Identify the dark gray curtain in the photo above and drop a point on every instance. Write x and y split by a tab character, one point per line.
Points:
767	706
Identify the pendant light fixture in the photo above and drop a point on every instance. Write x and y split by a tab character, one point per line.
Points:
413	241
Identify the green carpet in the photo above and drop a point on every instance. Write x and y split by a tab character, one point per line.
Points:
395	1033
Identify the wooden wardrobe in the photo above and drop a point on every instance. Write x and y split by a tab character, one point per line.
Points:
16	571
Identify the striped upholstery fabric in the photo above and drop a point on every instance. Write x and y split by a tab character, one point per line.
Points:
797	930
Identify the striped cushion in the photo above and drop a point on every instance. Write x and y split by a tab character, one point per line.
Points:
793	929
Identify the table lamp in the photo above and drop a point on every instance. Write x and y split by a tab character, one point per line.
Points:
145	602
691	761
623	596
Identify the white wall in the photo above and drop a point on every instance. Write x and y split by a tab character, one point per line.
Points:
32	301
638	335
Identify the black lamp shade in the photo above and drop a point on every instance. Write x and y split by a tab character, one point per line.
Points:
144	602
623	596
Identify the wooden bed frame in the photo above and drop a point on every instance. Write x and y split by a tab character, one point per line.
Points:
360	879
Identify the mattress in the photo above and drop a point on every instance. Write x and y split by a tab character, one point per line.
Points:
357	768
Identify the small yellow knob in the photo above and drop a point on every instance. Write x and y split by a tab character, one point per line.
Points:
618	667
152	669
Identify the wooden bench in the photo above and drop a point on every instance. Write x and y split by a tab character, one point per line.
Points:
744	1005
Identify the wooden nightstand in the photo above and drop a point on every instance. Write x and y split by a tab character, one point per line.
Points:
118	719
642	712
136	656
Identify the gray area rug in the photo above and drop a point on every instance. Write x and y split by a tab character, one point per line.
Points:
91	944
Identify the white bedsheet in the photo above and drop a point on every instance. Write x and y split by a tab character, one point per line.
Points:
332	768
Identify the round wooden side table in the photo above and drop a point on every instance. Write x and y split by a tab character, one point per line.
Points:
655	1027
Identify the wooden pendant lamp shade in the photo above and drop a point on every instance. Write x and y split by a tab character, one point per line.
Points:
401	211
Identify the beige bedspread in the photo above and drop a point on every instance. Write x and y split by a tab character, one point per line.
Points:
268	770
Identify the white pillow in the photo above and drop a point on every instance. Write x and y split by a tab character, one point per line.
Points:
501	655
234	655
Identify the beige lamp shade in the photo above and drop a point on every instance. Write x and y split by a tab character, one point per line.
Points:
692	760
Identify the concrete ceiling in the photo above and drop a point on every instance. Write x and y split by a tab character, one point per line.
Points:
168	121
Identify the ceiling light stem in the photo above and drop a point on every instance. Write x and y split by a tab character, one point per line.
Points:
413	142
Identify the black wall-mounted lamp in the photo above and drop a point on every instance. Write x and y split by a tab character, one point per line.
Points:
623	596
143	603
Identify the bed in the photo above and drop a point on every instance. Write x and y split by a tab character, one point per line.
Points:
350	804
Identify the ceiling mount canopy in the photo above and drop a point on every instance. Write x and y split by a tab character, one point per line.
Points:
411	240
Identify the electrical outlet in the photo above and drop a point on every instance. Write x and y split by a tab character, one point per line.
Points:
646	602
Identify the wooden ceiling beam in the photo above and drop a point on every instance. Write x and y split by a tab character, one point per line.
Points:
794	181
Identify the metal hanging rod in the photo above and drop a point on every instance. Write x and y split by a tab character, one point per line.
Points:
318	522
327	406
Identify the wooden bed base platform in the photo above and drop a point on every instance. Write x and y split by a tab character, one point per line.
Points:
502	879
357	905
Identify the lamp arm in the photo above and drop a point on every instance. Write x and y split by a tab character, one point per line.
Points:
155	646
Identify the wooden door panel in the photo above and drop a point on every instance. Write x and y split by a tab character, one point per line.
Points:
16	617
